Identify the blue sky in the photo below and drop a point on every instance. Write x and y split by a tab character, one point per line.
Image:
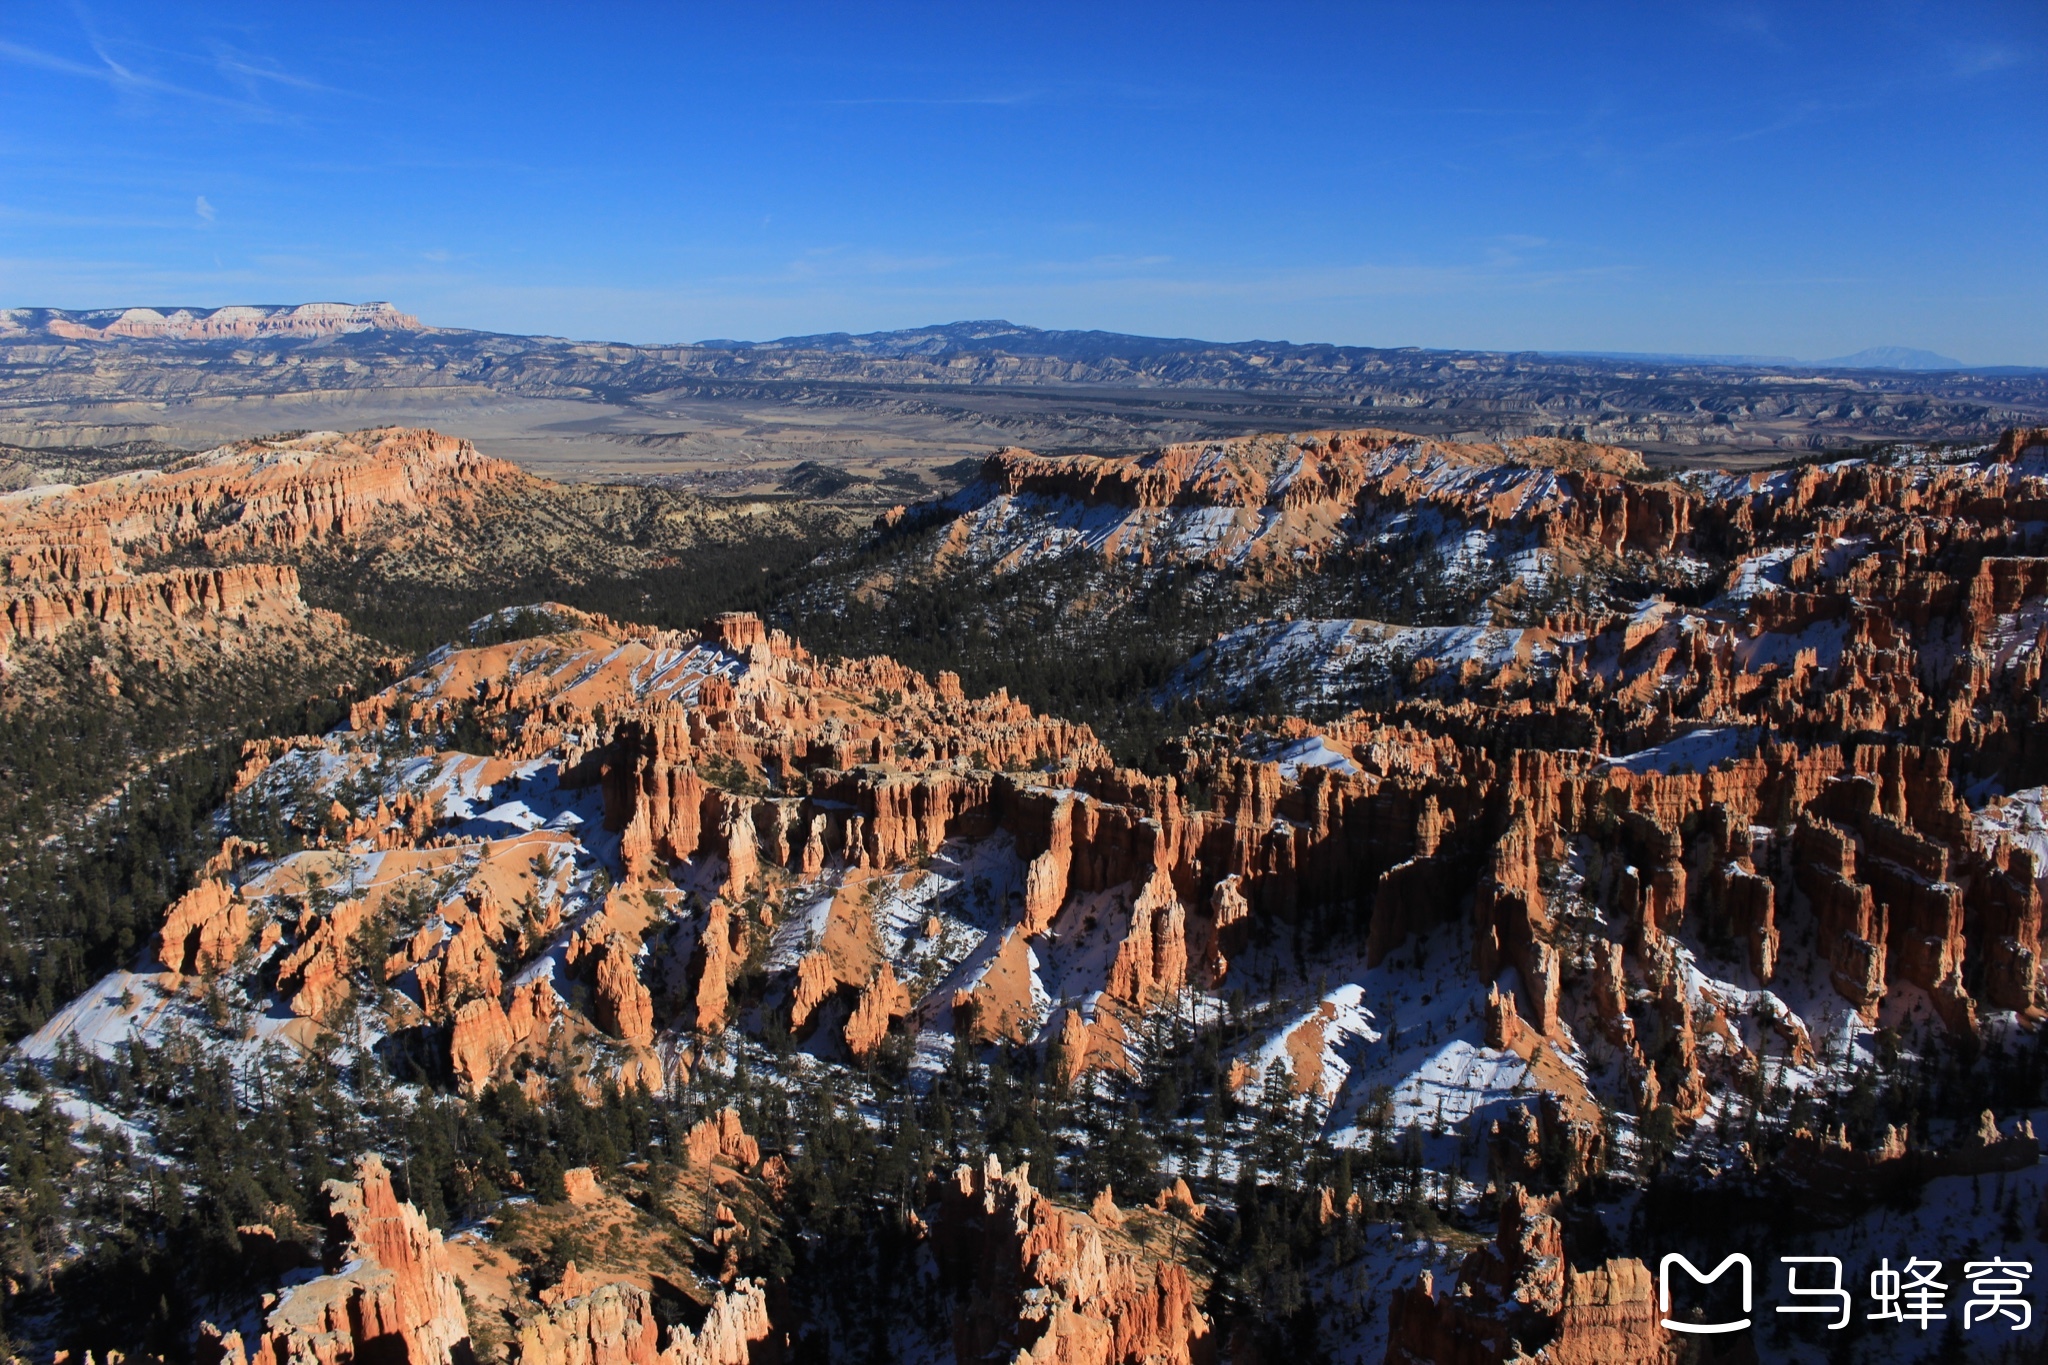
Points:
1780	179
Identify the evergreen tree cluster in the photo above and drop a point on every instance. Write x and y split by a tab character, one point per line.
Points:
106	806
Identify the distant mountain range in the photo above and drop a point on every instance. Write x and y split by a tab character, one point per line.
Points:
72	378
237	322
996	335
1892	358
1870	358
1015	339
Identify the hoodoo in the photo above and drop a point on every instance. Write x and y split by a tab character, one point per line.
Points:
695	946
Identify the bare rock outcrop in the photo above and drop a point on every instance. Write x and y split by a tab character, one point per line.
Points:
1519	1298
313	977
881	1002
1829	1175
155	602
625	1008
388	1294
204	929
721	1138
1035	1281
615	1324
715	965
235	322
485	1033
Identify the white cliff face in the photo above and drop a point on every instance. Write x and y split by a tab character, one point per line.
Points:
234	322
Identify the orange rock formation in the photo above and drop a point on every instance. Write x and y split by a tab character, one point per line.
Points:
1036	1281
614	1324
204	929
387	1295
1520	1291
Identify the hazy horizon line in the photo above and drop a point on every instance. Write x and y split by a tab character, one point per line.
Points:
1727	359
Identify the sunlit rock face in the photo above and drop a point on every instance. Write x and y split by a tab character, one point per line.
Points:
388	1293
1564	884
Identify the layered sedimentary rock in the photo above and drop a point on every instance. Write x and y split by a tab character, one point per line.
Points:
1610	844
92	558
1035	1281
1830	1175
624	1008
236	322
486	1033
204	929
388	1294
1420	814
1408	809
250	593
882	1001
1276	505
258	494
722	1138
615	1324
1520	1298
1420	811
313	977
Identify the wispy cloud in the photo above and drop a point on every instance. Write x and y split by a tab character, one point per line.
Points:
28	56
205	210
249	70
123	78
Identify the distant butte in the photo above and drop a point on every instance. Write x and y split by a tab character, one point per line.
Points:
234	322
